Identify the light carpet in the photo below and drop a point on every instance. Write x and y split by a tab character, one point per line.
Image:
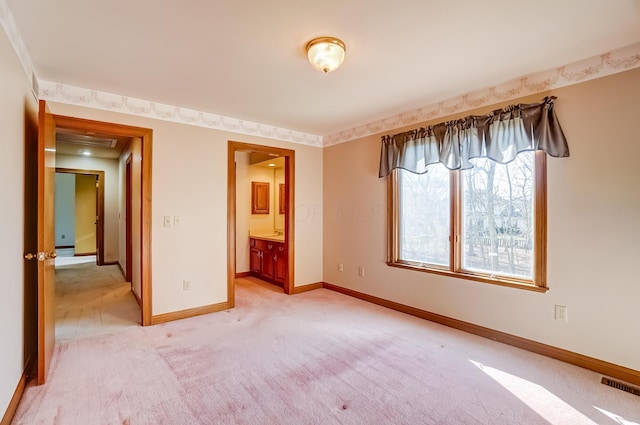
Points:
91	300
314	358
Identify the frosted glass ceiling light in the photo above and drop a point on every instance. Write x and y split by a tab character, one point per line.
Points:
326	53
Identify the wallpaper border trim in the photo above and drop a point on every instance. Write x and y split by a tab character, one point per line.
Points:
62	93
609	63
602	65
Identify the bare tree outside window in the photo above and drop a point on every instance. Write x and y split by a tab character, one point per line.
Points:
425	218
498	221
495	219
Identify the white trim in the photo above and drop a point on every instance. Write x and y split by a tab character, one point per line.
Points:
595	67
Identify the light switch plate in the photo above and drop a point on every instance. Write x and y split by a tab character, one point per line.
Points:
168	221
561	313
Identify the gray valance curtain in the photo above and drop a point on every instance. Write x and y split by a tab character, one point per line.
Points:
499	135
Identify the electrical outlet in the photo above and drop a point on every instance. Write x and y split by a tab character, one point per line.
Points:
561	313
361	271
186	285
340	267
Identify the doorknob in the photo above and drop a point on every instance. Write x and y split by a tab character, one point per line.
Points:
40	256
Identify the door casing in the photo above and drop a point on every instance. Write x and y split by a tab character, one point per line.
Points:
128	217
146	136
289	156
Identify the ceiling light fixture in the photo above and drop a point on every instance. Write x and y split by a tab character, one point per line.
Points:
326	53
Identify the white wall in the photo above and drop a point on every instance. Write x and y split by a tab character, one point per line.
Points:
65	209
15	99
190	180
593	233
243	211
111	193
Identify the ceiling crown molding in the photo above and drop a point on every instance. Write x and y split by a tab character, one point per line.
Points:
595	67
62	93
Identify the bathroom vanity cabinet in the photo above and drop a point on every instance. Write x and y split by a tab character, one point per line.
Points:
268	260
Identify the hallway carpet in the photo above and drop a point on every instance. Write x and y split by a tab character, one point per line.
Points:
91	300
314	358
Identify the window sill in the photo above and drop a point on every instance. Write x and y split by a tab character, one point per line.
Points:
501	281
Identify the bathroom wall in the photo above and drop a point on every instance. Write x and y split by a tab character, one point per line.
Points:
278	180
263	223
246	222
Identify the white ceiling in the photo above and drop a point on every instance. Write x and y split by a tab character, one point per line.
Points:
245	58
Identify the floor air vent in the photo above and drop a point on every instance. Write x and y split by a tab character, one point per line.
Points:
621	386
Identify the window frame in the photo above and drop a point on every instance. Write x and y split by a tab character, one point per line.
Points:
539	281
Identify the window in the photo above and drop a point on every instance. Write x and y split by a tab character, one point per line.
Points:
468	196
486	223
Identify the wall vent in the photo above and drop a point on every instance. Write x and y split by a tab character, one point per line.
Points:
86	140
621	386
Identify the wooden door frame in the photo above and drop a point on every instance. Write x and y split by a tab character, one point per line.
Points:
128	216
99	207
289	180
146	135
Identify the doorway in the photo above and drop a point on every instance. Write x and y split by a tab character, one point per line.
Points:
287	201
40	163
79	217
134	233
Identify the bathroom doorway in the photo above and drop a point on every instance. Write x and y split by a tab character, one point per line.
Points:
275	225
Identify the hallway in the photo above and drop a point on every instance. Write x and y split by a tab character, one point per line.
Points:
92	300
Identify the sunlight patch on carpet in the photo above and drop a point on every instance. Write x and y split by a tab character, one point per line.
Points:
539	399
616	418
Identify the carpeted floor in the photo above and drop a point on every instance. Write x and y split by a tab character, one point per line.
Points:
314	358
91	300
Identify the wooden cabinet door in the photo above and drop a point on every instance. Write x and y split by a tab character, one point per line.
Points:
268	261
254	261
260	198
280	267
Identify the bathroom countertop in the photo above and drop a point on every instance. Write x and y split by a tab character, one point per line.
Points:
273	237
